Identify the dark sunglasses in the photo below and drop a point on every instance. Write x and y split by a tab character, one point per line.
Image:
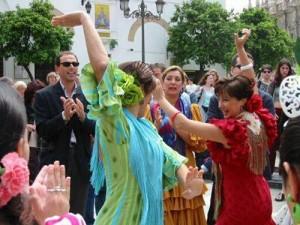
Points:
267	71
68	64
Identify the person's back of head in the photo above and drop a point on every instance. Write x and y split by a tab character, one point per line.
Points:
12	120
290	165
142	72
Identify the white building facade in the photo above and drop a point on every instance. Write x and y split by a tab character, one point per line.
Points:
125	31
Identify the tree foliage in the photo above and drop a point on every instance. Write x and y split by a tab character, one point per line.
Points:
297	50
27	35
268	43
202	32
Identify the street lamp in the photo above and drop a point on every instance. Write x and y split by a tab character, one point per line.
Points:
142	13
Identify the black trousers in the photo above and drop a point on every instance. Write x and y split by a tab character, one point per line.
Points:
79	183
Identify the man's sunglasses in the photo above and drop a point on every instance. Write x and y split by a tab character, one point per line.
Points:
267	71
68	64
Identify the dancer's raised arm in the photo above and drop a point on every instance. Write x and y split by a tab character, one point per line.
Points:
246	63
96	50
180	122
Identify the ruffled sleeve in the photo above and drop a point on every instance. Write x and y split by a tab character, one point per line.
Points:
235	132
104	97
172	161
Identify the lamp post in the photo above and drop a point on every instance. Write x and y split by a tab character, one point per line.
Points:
142	13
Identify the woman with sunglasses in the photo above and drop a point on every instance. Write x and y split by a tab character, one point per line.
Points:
265	78
128	151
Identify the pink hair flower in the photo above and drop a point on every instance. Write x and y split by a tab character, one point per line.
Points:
15	177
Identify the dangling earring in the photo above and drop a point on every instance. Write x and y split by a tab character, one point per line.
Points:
295	210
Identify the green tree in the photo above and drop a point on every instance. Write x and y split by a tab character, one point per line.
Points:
268	43
202	32
27	35
297	50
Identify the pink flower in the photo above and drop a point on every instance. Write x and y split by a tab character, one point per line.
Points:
254	103
15	178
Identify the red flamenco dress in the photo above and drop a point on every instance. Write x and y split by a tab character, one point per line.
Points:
242	193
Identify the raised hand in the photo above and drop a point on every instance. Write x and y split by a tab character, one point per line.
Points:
157	117
241	41
50	193
193	184
69	20
158	92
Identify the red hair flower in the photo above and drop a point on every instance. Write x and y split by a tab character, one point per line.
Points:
14	178
254	103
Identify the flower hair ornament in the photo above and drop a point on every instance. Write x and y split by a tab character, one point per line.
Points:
254	103
289	96
14	177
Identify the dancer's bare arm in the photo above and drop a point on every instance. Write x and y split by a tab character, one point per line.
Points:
96	50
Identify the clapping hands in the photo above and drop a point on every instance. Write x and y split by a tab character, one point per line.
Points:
50	193
71	107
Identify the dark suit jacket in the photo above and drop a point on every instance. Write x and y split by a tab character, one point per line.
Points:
215	112
56	133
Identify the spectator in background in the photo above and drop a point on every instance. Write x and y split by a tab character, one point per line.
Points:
177	209
20	86
61	122
29	97
283	69
158	69
52	78
7	80
190	87
215	74
265	78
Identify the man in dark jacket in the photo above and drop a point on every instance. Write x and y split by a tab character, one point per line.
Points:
64	129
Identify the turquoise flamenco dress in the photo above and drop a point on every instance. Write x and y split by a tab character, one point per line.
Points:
138	166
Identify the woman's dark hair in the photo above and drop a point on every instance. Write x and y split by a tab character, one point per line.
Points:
142	72
12	119
238	87
32	87
290	147
278	77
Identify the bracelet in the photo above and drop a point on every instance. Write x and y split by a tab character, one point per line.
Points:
173	117
247	67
